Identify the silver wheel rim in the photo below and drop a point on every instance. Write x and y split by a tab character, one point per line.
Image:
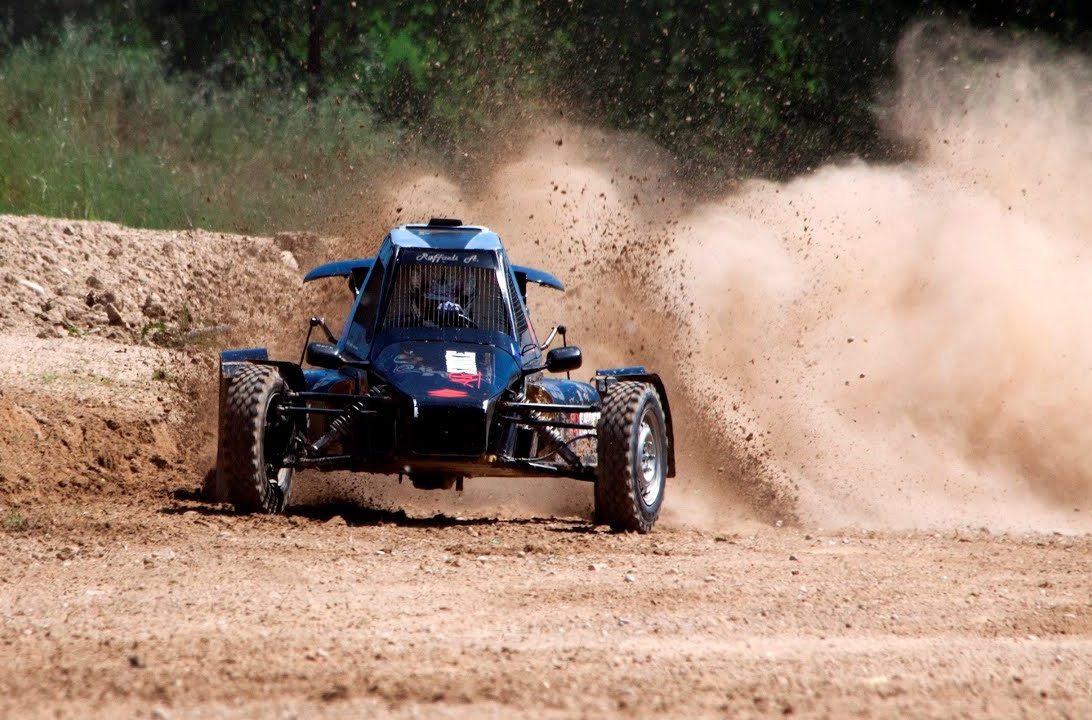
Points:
283	476
278	477
650	459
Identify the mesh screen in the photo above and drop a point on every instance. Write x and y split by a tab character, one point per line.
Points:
517	307
446	296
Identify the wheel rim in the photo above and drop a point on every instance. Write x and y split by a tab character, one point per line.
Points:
281	479
650	461
275	444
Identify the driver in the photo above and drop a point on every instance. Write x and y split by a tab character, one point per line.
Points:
448	291
443	294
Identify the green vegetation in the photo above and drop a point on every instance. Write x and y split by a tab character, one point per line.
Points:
250	116
91	129
14	521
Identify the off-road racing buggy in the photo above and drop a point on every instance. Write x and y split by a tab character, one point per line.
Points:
438	376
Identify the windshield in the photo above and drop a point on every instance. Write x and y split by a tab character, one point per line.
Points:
446	289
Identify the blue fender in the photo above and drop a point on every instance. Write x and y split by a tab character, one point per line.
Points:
637	373
231	361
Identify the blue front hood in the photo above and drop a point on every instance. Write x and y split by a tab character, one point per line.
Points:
447	392
439	372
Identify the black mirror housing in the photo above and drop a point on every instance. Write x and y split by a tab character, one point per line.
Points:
564	359
324	355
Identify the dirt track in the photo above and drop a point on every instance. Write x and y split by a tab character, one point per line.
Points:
133	608
125	594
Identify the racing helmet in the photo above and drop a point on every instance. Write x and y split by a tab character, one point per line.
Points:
446	284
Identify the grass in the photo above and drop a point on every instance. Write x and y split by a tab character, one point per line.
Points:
91	129
50	377
14	521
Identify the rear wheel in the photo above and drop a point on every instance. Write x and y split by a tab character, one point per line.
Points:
633	455
254	441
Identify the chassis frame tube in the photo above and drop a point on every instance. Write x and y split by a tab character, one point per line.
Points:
547	407
347	398
304	410
547	423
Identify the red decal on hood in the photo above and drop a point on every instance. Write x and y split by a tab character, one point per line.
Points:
466	379
447	393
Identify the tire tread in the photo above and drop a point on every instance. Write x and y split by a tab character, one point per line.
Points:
242	427
616	502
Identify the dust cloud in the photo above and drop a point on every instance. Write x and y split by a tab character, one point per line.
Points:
909	339
869	345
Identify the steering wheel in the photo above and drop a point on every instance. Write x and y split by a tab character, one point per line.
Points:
456	317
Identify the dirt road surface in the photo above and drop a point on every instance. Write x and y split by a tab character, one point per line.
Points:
165	608
125	594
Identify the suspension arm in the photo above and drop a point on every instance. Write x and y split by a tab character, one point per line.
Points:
548	423
547	408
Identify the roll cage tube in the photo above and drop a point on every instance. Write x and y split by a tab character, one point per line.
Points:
384	334
372	280
359	332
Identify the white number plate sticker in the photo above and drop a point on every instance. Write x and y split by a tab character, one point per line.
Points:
461	362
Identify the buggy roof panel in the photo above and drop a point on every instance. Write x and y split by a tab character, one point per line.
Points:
438	237
434	237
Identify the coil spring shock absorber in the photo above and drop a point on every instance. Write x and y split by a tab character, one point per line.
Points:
339	427
548	433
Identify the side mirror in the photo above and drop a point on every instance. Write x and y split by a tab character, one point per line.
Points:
324	355
563	359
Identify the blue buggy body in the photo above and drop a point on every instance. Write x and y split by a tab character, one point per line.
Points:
438	375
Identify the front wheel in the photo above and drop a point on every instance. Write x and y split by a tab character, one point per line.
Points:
254	441
633	456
